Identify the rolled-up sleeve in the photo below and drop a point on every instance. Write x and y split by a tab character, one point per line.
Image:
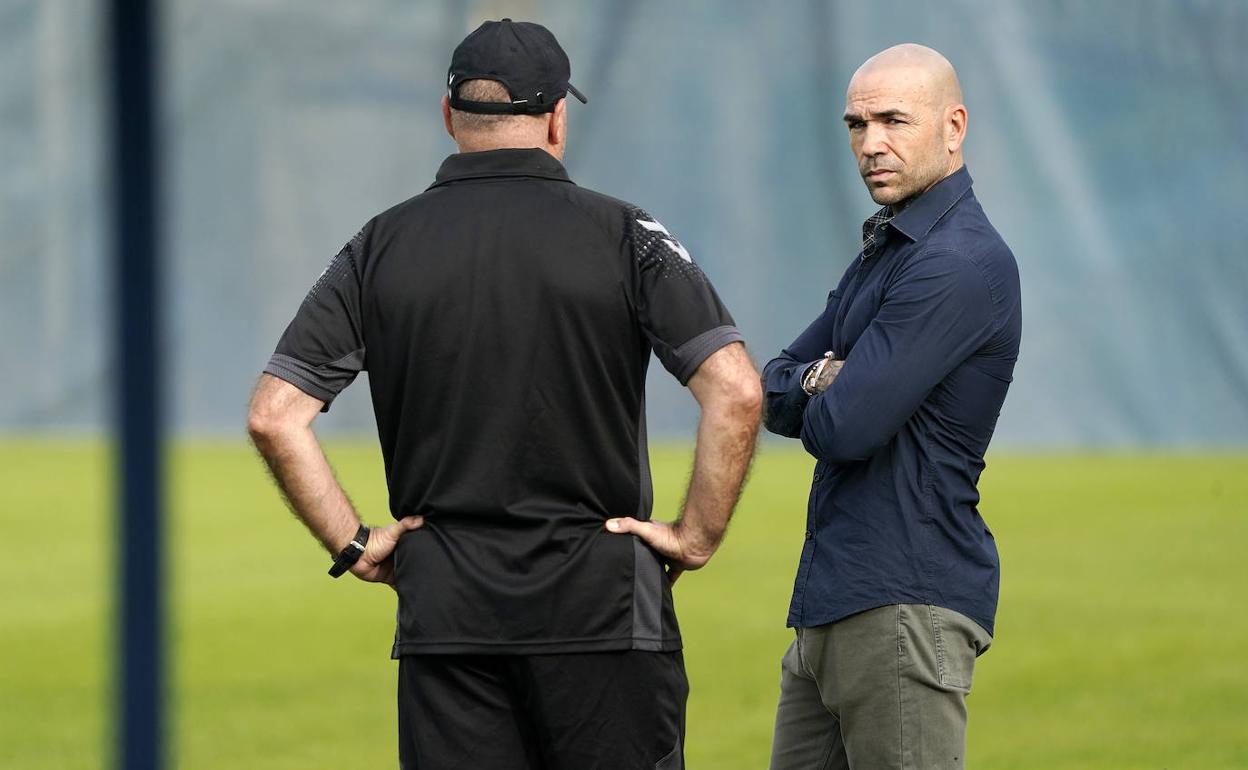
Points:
935	314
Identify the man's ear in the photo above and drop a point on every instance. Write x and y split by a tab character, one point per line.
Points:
955	127
557	129
446	116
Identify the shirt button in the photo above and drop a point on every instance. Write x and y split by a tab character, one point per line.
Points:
810	535
818	476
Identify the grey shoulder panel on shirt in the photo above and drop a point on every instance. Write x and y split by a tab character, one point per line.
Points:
325	381
691	354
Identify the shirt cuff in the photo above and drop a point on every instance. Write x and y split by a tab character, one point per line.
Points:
784	398
799	375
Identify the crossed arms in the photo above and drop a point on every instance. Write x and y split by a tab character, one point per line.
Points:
935	314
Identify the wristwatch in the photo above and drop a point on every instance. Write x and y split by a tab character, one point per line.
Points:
351	553
812	374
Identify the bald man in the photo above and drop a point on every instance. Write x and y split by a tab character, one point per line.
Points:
895	390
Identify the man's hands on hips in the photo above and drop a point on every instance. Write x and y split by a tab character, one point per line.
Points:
675	543
279	422
376	564
727	389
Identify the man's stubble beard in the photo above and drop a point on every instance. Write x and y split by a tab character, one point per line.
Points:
915	181
898	196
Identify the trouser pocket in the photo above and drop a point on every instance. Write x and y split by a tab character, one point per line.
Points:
958	641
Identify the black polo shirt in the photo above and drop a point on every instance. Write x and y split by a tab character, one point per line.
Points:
506	318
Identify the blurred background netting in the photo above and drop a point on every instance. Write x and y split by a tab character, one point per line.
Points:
1108	141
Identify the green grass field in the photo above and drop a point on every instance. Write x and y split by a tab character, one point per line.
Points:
1122	639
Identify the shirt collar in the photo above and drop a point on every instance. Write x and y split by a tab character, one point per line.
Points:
918	219
871	233
500	163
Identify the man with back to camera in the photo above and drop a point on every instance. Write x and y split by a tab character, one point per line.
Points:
895	389
506	319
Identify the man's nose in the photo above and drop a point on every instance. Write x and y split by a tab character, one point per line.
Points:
873	142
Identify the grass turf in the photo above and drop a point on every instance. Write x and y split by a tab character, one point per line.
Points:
1121	637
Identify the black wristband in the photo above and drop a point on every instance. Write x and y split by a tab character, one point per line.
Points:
351	553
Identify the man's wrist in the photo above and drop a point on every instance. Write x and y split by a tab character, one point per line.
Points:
343	538
697	545
808	376
811	375
350	553
812	380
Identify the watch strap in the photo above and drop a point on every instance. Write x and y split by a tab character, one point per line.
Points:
350	554
811	375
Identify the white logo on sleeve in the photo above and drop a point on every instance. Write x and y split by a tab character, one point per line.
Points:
672	243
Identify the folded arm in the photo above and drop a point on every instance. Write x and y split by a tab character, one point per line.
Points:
784	399
936	314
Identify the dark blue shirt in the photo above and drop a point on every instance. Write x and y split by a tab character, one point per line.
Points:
928	325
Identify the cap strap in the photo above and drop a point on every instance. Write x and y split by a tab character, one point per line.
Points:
502	108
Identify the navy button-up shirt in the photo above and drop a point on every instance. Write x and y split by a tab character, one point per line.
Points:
928	324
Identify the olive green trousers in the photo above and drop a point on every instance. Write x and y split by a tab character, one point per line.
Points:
882	689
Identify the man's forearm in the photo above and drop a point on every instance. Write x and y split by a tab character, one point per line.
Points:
726	441
727	388
307	482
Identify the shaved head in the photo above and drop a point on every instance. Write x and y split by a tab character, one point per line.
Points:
924	67
906	122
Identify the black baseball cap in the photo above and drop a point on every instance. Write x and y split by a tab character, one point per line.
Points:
523	56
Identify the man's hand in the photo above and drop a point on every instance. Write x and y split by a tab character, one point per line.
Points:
727	389
826	371
673	542
376	564
827	375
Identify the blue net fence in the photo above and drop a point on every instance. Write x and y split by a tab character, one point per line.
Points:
1109	144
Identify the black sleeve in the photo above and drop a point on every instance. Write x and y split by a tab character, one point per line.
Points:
677	307
322	350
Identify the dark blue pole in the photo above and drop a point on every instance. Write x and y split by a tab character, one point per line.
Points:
140	600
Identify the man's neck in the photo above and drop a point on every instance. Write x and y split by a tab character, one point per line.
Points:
555	152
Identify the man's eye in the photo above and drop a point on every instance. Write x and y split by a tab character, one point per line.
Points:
895	121
855	125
